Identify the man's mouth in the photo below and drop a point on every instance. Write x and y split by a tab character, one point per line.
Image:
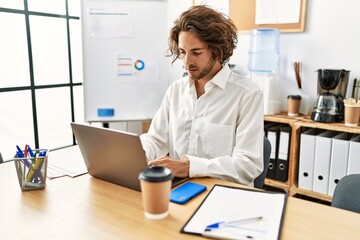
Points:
192	70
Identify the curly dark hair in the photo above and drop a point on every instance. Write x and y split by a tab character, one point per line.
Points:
212	27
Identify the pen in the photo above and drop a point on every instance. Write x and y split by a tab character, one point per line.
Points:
36	166
30	151
234	222
26	150
37	175
219	234
20	154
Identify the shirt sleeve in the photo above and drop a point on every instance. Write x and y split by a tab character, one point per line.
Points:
246	162
155	141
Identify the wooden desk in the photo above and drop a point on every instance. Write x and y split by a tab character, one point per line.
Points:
88	208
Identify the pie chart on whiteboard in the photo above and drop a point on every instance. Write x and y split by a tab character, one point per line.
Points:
139	65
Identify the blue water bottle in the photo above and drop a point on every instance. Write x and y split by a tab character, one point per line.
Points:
264	50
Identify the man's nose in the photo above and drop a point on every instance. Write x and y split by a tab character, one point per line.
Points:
187	59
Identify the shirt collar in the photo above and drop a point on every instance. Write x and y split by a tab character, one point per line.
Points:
220	79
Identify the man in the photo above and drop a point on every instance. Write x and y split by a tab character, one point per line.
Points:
210	123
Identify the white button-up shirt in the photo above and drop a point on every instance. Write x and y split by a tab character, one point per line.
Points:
221	132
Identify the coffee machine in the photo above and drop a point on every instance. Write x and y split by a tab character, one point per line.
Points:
331	88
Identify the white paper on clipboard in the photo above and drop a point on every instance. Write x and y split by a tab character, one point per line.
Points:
225	203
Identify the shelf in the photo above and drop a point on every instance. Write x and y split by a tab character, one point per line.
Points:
283	118
278	184
293	153
298	124
308	193
307	122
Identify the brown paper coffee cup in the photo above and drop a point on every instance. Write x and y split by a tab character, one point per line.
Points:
294	105
156	197
352	115
155	190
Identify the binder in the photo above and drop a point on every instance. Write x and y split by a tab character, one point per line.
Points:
338	160
268	125
322	161
306	158
281	173
273	136
271	165
354	153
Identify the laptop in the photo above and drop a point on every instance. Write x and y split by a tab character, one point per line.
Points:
113	156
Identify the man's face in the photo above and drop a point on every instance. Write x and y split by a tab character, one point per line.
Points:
196	56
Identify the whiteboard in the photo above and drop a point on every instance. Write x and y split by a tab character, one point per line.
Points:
125	69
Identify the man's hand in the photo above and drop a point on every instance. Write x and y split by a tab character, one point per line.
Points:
179	168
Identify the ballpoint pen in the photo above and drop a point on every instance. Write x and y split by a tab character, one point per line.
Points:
234	230
234	222
20	154
228	234
26	150
36	166
30	151
38	175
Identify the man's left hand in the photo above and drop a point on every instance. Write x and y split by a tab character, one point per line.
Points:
179	168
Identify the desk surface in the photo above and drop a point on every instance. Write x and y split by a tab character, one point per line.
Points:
69	208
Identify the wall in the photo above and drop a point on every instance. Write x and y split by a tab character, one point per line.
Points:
331	40
174	9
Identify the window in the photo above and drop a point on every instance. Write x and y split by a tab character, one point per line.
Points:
40	74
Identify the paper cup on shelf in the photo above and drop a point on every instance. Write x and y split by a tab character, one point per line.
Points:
352	115
293	105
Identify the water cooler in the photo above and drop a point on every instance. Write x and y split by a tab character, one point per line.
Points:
263	65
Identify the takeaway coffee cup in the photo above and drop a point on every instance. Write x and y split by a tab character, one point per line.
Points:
155	184
293	105
352	115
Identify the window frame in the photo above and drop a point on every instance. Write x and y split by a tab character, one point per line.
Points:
32	86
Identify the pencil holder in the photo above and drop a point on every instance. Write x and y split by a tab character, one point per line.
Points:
31	171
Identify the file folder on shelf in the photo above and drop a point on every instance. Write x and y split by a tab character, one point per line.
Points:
322	161
281	173
268	125
354	153
273	136
306	158
339	159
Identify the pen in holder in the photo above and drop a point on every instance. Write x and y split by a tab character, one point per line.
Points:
31	171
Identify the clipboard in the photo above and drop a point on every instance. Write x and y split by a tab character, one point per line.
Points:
227	203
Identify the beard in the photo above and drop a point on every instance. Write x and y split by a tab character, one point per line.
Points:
205	71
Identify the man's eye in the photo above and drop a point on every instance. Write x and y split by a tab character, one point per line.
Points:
181	54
